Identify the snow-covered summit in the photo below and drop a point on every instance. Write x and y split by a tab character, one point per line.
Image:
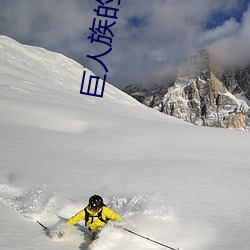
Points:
202	97
199	97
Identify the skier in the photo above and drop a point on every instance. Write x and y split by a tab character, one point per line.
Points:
95	214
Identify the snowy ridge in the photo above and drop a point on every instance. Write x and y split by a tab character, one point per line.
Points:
182	185
39	71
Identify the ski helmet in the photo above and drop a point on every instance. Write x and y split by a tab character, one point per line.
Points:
95	202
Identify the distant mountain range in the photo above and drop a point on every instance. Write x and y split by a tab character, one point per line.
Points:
201	94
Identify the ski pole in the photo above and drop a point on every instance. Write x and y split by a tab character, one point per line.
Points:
45	228
146	238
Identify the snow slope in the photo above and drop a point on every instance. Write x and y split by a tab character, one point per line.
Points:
179	184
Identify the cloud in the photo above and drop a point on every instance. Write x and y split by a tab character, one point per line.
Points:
172	31
52	24
228	28
150	37
233	49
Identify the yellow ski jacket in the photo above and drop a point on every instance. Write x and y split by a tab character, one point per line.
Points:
94	223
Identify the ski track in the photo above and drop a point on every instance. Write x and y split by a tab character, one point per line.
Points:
145	214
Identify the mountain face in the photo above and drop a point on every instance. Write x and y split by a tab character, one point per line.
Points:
200	96
237	81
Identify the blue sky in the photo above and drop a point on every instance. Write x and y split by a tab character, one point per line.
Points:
151	37
219	17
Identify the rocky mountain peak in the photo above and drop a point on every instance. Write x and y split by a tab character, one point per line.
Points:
202	97
196	64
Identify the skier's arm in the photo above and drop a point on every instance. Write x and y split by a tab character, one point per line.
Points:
110	214
77	217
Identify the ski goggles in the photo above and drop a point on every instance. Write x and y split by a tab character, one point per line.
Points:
94	208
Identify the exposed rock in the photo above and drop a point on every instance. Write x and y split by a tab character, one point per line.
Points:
133	88
137	91
237	81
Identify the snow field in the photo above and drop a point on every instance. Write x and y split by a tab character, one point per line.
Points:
181	185
146	215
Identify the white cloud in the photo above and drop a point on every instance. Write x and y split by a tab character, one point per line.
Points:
228	28
170	31
233	50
